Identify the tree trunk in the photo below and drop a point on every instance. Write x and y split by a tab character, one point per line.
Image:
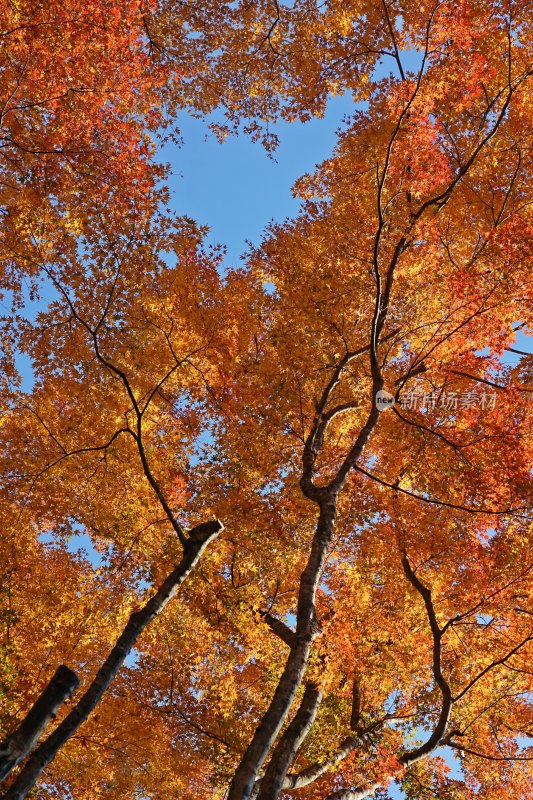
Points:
198	540
291	679
20	742
271	784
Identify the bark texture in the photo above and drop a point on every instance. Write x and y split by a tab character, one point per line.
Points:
25	737
287	748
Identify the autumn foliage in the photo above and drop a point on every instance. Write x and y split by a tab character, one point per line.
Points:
290	593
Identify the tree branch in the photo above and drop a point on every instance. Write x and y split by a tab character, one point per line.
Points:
270	786
434	501
199	538
496	663
461	748
278	627
447	700
17	746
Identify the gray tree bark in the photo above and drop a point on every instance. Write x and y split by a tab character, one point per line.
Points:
25	737
273	780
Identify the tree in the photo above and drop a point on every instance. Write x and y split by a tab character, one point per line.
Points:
368	606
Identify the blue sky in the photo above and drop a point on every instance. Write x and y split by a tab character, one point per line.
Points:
234	187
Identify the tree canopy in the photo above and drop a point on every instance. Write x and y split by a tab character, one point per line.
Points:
299	592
